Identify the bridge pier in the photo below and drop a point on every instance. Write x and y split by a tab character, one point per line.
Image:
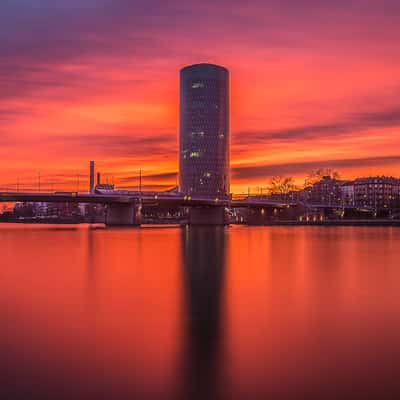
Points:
260	216
123	215
269	215
208	216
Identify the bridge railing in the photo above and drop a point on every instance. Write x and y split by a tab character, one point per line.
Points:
23	189
237	197
244	196
11	189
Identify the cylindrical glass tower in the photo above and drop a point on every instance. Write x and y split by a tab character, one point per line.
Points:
204	130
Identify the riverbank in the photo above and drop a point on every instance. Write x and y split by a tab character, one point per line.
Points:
366	222
350	222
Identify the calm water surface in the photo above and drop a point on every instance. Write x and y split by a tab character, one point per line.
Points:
199	313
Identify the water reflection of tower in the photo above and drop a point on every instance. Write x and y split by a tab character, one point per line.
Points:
203	251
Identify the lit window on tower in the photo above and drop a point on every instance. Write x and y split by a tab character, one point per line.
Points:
197	85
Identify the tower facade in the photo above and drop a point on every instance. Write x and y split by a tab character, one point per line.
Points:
204	130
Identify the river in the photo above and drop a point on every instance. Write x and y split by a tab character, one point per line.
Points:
199	313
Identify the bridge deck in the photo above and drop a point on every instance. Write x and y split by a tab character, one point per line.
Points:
152	199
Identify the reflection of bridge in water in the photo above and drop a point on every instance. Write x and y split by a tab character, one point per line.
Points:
124	207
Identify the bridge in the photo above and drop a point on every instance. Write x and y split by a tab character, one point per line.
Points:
150	198
124	207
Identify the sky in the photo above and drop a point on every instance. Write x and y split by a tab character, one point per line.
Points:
313	84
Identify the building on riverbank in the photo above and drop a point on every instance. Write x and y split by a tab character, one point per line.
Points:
379	192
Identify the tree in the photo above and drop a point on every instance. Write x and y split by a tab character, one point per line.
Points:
281	185
316	175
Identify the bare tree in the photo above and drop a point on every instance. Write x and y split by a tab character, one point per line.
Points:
317	174
281	185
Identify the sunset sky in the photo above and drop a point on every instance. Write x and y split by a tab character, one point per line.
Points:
313	84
